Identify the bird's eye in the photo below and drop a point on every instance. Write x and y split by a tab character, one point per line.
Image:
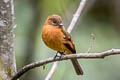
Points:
54	22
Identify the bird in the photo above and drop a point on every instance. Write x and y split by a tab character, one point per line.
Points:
55	36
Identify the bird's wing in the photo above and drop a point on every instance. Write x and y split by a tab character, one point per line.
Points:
68	41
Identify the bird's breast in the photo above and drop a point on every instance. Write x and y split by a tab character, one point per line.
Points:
52	37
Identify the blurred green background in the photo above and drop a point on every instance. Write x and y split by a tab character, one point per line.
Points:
101	17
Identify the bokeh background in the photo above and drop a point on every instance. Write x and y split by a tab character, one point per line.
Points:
99	17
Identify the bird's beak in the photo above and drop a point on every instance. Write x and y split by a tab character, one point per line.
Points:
61	24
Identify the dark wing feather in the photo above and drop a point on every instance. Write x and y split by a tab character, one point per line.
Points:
70	48
69	44
68	41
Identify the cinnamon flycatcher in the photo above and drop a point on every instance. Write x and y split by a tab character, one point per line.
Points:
57	38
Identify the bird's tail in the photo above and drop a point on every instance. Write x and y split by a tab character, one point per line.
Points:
77	67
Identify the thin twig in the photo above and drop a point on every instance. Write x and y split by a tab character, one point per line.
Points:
51	72
91	43
76	15
71	26
65	57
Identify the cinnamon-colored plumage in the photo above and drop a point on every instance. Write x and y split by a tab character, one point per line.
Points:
57	38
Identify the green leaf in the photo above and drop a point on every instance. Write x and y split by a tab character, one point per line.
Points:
44	66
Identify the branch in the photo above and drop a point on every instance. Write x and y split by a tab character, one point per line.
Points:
76	15
52	71
71	26
65	57
7	57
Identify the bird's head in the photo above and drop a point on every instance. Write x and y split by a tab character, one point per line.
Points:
54	20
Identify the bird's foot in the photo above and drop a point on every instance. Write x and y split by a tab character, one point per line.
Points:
59	54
